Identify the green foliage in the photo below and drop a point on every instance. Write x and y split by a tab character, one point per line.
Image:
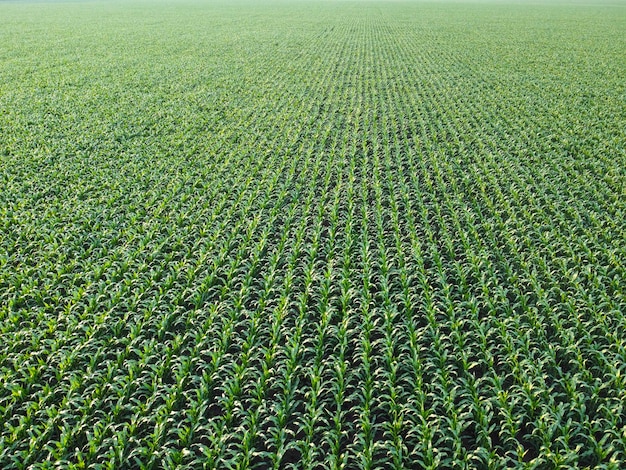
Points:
312	235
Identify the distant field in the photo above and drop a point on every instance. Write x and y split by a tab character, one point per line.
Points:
312	235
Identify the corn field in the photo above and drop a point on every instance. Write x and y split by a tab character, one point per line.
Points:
312	235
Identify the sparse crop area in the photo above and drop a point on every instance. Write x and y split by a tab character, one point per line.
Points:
312	235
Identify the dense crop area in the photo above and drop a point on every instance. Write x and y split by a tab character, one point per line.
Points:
317	235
